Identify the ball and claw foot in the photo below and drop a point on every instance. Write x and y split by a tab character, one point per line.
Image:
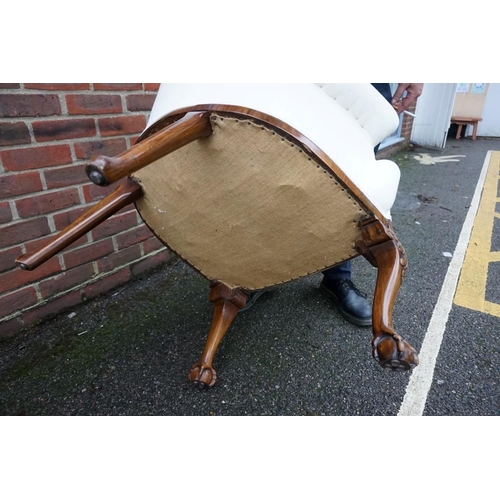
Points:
394	353
203	375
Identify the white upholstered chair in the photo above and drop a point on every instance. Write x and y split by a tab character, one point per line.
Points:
255	185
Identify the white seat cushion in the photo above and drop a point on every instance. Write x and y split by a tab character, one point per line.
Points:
345	121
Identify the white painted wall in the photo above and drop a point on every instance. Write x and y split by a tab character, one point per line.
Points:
434	108
490	126
433	114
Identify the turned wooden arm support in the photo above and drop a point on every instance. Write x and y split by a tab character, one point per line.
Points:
123	195
104	170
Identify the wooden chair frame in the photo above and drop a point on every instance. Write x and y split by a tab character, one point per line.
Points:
377	243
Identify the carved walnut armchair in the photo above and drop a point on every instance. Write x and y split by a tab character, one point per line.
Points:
254	185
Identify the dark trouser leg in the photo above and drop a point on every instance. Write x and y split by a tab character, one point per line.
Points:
385	90
352	305
340	272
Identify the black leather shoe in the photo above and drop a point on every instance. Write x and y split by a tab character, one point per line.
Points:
352	303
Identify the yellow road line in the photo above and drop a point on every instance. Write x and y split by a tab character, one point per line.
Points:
471	290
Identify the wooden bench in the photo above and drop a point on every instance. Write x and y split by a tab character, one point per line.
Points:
461	121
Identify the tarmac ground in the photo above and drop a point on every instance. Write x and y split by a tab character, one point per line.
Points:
292	354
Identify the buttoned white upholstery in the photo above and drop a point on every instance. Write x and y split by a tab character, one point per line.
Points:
345	121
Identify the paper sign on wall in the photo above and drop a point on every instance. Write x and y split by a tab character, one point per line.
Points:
478	88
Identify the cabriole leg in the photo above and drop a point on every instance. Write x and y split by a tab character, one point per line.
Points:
227	302
388	348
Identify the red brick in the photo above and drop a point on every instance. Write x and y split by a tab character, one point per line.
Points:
58	130
149	263
93	104
17	278
10	85
117	259
123	211
36	157
152	87
134	139
13	133
110	147
46	203
88	253
152	245
128	208
133	236
92	192
66	280
117	86
51	308
63	219
115	225
8	258
10	328
15	105
120	125
17	184
15	301
58	86
140	102
21	231
34	245
5	212
65	176
107	283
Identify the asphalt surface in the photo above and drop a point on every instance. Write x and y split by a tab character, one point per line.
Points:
129	352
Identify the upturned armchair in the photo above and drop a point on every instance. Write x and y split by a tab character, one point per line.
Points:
256	185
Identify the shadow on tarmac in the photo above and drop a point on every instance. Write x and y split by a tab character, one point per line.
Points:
129	352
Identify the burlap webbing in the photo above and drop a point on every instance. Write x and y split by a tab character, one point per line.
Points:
248	208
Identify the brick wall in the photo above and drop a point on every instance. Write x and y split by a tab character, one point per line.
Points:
406	129
47	134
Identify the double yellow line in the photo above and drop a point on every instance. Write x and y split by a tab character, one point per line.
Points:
471	290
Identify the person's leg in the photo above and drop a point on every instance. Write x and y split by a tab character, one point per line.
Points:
337	282
351	303
385	90
340	272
